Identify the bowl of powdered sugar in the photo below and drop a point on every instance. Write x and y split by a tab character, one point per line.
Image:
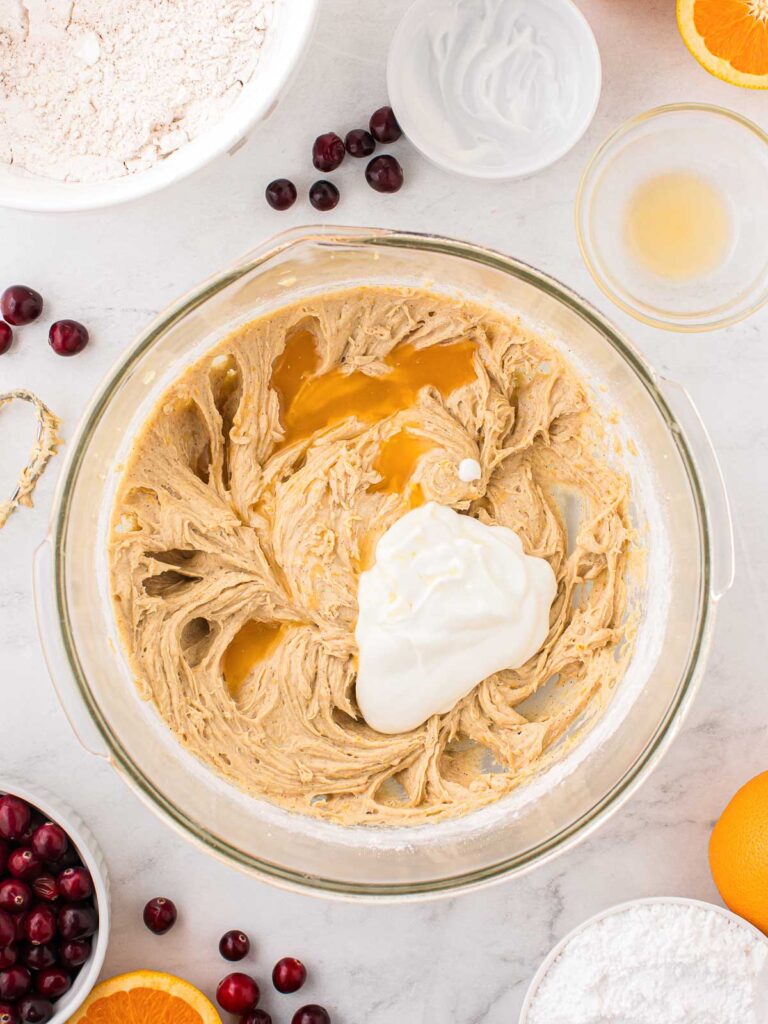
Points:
667	960
102	101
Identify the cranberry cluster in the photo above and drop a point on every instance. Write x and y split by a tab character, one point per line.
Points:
47	913
383	173
21	305
239	993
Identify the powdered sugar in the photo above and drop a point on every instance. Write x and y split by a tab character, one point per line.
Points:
666	961
96	89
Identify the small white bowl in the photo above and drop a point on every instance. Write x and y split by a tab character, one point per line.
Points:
452	82
284	47
620	908
92	858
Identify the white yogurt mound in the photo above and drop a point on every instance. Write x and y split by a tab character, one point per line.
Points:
660	963
469	470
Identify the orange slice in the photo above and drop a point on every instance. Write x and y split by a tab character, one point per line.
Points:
143	997
728	37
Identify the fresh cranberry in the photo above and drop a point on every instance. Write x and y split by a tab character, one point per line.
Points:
384	174
68	859
40	926
324	195
77	921
384	126
24	863
38	958
15	896
7	928
53	982
75	884
359	142
254	1017
20	305
237	993
311	1014
67	337
35	1011
6	337
14	983
234	945
281	194
328	152
160	915
45	888
9	956
49	842
75	952
14	816
8	1014
289	974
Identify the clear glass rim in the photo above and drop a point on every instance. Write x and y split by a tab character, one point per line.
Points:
730	313
275	873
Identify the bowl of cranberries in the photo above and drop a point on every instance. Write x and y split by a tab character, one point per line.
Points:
54	909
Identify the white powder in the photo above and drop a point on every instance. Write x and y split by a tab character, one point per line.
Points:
96	89
662	963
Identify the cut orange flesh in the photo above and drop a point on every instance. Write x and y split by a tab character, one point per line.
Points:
144	996
728	37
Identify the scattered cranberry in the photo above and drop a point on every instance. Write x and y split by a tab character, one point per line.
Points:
384	174
53	982
254	1017
359	142
38	958
49	842
281	194
77	922
14	816
311	1014
234	945
384	126
9	955
6	337
324	195
14	983
237	993
67	337
289	974
7	928
328	152
21	305
45	888
8	1014
40	926
15	896
75	952
35	1011
24	863
75	884
160	915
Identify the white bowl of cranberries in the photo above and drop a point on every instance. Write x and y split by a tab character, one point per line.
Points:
54	909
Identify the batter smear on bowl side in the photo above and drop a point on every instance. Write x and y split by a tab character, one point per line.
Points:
254	497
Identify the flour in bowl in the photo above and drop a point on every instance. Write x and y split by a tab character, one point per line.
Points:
663	962
97	89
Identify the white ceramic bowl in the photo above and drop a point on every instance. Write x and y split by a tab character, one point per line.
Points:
618	909
285	44
92	858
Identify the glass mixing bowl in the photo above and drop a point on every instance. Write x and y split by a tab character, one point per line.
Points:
689	565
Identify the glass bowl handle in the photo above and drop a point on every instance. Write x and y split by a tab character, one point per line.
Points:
718	506
54	652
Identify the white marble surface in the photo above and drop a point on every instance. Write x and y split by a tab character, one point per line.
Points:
466	959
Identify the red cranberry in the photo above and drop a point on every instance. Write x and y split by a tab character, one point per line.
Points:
7	928
14	983
20	305
49	841
234	945
14	816
359	142
53	982
9	955
324	195
6	337
281	194
384	126
327	152
289	974
8	1014
254	1017
38	958
40	926
160	915
45	888
35	1011
15	896
77	921
75	884
311	1014
67	337
384	174
237	993
24	863
75	952
68	859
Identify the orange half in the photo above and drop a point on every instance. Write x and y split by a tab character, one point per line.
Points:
144	996
728	37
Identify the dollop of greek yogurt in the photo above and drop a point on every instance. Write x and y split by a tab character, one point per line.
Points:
470	470
448	602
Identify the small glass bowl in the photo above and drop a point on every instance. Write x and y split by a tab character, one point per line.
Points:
726	152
